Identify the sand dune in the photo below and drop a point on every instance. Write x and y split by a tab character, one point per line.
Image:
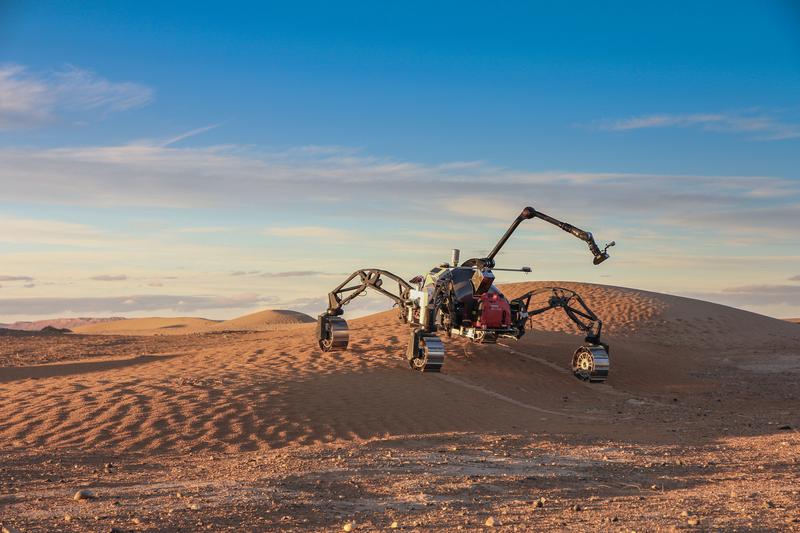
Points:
262	321
148	326
274	388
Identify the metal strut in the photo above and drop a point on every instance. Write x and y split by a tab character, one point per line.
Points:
589	363
368	278
560	297
332	331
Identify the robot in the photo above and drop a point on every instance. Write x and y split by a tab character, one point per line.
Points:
462	300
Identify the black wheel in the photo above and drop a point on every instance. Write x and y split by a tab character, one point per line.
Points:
332	333
591	363
425	352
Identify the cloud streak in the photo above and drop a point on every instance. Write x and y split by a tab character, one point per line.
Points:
756	125
29	99
16	278
754	295
109	277
128	304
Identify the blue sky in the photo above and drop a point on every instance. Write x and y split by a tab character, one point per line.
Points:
199	158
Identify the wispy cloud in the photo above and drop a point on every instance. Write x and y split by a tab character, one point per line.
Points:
30	99
294	274
757	125
795	278
54	232
16	278
188	134
309	232
129	304
109	277
754	295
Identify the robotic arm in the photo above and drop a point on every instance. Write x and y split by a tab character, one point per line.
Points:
528	213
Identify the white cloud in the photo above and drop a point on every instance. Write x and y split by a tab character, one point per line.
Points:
756	124
30	99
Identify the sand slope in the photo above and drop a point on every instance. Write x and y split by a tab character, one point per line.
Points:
247	391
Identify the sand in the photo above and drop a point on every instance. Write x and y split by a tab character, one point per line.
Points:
262	430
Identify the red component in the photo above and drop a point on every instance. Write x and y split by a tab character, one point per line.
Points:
495	311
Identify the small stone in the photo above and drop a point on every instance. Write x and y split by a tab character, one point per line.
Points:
577	508
394	525
489	522
136	520
348	526
195	507
654	487
67	518
785	427
84	494
693	522
9	529
538	504
614	519
685	514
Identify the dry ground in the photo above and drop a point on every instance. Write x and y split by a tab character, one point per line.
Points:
695	429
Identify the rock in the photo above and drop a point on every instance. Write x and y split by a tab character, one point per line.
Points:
84	494
785	427
195	507
538	503
693	522
489	522
685	514
9	529
394	525
614	519
577	508
136	520
348	526
67	518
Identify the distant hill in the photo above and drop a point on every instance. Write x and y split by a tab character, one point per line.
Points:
260	321
264	320
793	320
58	323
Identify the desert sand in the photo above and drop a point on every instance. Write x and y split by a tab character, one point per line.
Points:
211	428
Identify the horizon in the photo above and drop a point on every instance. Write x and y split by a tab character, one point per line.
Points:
217	161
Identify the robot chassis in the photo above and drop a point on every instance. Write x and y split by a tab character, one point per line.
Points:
461	300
